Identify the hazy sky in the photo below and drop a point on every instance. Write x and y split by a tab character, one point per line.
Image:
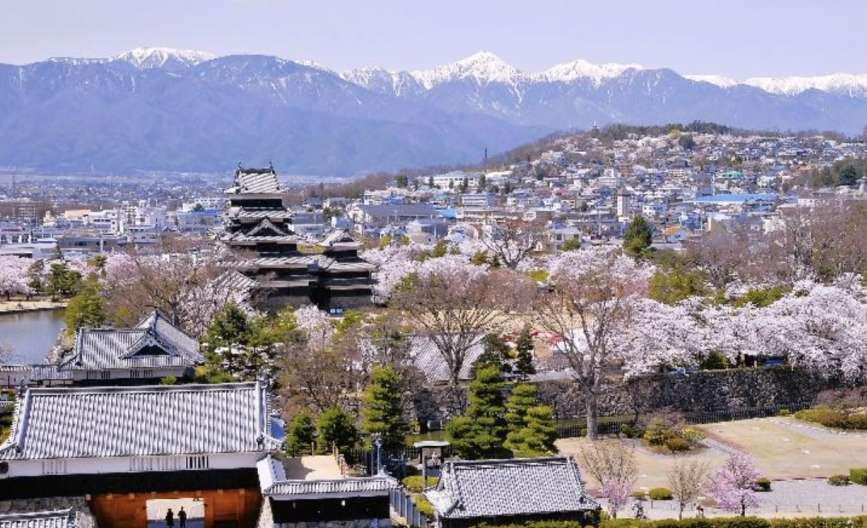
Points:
728	37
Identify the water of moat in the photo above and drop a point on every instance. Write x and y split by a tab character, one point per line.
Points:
30	335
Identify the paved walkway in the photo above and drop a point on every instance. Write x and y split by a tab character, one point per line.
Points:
790	498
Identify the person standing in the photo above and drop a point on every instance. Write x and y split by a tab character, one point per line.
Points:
170	518
182	517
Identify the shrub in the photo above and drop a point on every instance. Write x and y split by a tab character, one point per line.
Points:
763	484
836	417
858	476
631	431
169	380
660	494
639	495
424	506
677	444
415	484
838	480
784	412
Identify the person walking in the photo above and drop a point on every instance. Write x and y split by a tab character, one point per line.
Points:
182	517
170	518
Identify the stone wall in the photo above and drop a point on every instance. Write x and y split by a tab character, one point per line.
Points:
695	392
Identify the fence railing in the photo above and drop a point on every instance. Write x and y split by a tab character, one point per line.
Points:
403	506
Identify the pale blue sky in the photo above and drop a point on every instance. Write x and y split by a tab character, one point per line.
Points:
734	37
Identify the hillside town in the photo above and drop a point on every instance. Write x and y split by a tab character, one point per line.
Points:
601	328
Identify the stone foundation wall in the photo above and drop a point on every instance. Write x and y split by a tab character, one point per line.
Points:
696	392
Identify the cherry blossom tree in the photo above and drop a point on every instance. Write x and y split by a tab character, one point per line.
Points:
686	479
613	465
815	326
13	276
599	313
316	326
512	241
732	485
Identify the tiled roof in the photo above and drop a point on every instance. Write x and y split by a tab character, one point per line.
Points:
107	348
428	359
272	479
46	519
139	421
500	488
275	214
256	181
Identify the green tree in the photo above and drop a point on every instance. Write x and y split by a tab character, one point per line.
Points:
571	244
638	236
226	342
87	308
496	354
522	398
483	182
402	181
537	436
440	249
671	287
382	408
524	354
62	281
430	182
480	432
300	435
336	429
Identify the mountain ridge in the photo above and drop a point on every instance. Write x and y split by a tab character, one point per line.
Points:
159	109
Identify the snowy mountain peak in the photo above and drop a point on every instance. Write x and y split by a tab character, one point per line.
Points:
580	68
717	80
484	67
854	85
160	57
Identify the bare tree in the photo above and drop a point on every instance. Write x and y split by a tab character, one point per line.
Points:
687	479
452	303
512	241
612	464
718	254
592	299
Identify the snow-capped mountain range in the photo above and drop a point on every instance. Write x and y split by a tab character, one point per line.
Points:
186	110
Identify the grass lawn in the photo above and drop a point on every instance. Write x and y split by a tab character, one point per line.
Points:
781	447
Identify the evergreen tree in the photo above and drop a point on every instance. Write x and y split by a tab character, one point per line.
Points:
402	181
572	244
531	426
336	429
496	354
299	437
382	408
638	236
483	182
430	182
481	431
87	308
62	281
524	355
225	344
522	398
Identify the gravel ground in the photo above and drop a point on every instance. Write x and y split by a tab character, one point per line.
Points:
789	498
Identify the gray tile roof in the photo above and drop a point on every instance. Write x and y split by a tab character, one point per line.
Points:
46	519
139	421
500	488
256	181
428	359
124	348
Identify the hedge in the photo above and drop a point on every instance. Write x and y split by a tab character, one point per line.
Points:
858	475
741	522
415	483
659	494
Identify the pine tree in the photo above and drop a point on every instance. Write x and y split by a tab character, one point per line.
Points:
496	354
524	355
227	335
87	308
336	429
531	426
299	437
481	431
382	408
638	236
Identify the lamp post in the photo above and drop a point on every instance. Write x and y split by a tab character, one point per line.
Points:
377	443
